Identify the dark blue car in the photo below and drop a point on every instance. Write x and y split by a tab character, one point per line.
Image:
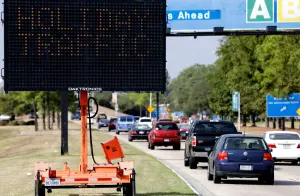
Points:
239	155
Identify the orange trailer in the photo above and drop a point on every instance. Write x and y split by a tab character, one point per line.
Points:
120	175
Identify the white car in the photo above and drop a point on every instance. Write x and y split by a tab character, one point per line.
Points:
145	120
285	145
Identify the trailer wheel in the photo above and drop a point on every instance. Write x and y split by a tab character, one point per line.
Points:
130	189
39	188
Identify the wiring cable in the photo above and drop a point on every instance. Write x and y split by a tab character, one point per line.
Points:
90	125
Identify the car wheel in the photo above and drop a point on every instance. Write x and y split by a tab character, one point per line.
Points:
130	139
270	179
210	177
216	178
117	132
148	145
192	163
186	160
109	129
176	146
152	146
295	162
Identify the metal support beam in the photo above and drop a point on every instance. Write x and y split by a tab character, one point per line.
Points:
157	106
64	122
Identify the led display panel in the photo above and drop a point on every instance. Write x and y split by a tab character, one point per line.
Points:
113	45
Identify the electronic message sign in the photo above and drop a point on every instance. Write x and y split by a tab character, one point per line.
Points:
108	45
232	15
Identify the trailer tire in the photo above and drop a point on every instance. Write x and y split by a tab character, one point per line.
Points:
39	188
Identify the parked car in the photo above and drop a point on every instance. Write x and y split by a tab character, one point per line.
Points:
240	155
124	123
139	132
145	120
32	116
285	145
184	130
112	124
164	133
76	116
103	123
201	138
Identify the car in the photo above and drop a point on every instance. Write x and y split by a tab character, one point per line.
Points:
32	116
136	118
243	156
103	123
165	119
76	116
112	124
124	124
184	130
164	134
101	116
145	120
139	132
201	138
285	145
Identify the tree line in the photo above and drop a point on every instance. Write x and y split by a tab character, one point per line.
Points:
252	65
47	104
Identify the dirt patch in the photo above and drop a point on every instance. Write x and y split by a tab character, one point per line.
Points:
47	133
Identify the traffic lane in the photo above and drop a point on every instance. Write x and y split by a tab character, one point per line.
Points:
286	182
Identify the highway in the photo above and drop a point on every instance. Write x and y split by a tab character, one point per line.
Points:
287	177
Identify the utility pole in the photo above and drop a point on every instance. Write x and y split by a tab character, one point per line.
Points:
116	104
150	104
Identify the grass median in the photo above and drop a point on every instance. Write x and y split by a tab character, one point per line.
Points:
19	153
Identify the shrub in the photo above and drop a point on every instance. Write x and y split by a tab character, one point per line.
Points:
22	123
3	123
14	123
31	122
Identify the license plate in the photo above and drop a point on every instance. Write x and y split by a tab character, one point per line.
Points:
52	182
142	132
166	140
286	146
246	167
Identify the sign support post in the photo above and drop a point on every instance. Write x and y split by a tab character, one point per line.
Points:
150	104
239	111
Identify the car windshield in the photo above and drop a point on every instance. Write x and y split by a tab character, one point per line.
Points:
284	136
123	119
104	120
113	120
184	126
129	119
218	127
170	126
245	143
145	120
142	127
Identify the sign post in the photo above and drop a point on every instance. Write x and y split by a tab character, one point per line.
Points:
236	106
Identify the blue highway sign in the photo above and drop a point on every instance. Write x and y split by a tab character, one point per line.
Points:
283	107
234	15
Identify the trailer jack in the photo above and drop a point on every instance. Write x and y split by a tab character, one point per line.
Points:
120	175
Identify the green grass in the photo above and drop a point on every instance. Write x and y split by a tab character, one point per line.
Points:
19	154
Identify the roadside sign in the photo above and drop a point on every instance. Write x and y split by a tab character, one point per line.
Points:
235	101
150	109
168	109
283	107
238	15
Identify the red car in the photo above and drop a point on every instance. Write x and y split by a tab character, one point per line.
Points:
184	129
112	124
164	133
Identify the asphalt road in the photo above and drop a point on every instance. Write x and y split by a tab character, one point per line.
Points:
287	177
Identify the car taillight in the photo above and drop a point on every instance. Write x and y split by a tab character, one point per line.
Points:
133	133
194	141
267	156
271	145
223	156
298	146
52	174
147	133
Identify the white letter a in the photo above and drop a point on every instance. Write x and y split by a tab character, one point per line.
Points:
263	12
